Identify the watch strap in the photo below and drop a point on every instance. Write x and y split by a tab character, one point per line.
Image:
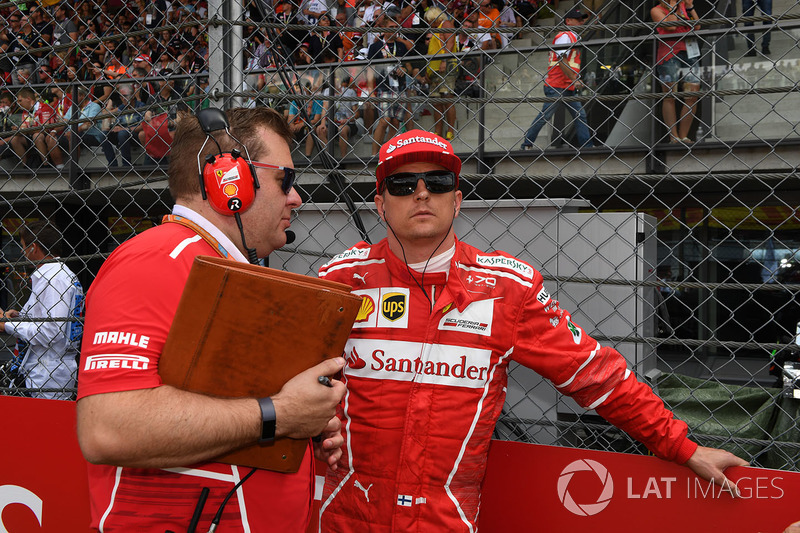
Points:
267	420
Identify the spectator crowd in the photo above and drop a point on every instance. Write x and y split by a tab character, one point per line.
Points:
137	62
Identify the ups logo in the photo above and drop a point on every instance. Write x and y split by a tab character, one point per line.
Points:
393	306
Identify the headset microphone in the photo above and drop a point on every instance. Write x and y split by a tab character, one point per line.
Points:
290	236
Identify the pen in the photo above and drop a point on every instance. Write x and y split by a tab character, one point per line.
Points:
323	380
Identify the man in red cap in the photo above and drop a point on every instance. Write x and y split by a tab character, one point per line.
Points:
143	61
428	356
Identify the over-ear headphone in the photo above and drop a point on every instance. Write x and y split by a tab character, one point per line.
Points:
227	180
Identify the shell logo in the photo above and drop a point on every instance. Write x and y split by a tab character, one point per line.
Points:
230	189
585	509
366	309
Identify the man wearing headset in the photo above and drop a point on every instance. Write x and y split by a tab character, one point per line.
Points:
150	444
428	354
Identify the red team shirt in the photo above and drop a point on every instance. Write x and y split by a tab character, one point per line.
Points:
669	48
129	310
42	114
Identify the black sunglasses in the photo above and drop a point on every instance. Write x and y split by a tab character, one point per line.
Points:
405	183
288	175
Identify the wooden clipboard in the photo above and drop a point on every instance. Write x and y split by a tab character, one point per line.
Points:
244	330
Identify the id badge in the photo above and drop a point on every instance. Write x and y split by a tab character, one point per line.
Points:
692	48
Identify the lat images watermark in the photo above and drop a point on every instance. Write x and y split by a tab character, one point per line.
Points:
643	488
759	488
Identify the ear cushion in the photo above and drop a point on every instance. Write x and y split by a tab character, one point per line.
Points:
229	184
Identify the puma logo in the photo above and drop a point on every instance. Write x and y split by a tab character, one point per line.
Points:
362	278
359	486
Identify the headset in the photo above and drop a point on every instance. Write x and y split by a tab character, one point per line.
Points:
227	180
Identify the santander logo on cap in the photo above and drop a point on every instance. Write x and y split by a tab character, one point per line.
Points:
413	146
400	142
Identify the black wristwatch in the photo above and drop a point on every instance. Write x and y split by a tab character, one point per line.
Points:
267	421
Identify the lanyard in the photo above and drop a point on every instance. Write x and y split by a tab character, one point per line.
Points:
183	221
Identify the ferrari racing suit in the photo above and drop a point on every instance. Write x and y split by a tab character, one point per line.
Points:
426	383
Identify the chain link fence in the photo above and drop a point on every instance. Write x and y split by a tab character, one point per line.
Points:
671	234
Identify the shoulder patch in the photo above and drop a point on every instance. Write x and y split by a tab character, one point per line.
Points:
500	261
543	297
575	330
476	318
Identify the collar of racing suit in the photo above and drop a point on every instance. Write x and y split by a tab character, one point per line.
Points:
461	296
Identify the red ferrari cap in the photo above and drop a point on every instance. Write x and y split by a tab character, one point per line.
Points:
413	146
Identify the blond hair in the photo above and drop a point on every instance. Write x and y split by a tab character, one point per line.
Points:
432	14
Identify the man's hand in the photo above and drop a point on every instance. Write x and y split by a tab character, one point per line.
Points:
164	427
11	313
329	447
710	463
304	407
793	528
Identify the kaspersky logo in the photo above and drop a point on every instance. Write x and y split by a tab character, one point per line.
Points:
591	508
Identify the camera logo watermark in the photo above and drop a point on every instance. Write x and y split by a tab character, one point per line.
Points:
585	509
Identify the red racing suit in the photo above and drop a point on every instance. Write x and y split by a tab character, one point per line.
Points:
426	384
